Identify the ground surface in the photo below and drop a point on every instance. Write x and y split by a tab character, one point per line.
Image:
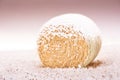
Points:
25	65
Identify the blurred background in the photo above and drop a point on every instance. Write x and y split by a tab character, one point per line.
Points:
20	20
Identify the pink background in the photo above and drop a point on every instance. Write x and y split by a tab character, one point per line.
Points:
20	20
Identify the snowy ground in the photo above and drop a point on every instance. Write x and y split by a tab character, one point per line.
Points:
25	65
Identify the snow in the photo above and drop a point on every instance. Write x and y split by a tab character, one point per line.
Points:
25	65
